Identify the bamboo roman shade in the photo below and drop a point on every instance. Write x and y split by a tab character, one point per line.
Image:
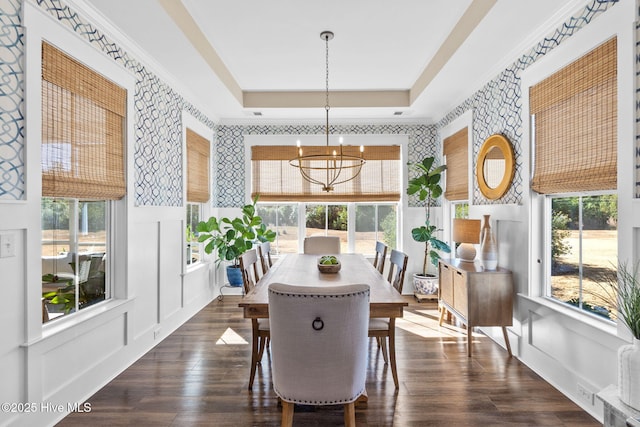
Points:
575	113
197	168
456	152
83	130
276	180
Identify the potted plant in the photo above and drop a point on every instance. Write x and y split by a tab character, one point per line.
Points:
230	238
622	291
426	185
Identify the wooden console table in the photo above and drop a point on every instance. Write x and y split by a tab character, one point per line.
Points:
475	296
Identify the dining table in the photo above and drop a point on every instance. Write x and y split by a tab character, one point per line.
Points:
302	270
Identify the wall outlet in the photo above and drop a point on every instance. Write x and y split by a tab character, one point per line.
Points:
7	245
585	394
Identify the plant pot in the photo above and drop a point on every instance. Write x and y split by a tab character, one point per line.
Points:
425	285
628	374
234	276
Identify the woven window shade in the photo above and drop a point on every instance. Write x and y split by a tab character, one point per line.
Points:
576	125
197	167
455	149
83	125
276	180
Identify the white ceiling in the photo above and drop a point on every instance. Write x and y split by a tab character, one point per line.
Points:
275	47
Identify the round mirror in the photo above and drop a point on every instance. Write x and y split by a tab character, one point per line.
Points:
495	167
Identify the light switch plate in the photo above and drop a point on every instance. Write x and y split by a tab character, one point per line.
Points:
7	245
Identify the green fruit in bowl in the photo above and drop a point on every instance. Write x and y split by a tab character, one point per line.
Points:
328	260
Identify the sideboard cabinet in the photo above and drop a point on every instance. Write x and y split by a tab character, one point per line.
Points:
475	296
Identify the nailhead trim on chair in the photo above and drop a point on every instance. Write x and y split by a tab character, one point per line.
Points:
319	296
317	402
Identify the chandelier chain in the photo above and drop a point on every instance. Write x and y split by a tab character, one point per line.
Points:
326	41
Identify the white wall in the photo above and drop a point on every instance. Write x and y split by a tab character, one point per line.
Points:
559	345
67	360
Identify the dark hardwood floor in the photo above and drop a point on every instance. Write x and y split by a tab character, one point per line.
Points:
199	376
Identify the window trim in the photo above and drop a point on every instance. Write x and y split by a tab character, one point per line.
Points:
192	123
617	21
42	28
351	211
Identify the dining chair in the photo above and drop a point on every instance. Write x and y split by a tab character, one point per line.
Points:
381	255
259	327
384	329
264	252
318	345
322	245
397	267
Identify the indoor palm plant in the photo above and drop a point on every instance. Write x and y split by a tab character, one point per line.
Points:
426	185
230	238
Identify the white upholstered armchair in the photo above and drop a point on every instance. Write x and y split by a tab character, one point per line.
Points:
318	345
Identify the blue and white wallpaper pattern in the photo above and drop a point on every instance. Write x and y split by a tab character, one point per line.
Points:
158	149
230	179
158	134
11	102
497	106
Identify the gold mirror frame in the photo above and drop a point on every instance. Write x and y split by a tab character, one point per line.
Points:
503	144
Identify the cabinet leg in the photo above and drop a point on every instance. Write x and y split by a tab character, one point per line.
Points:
506	341
442	312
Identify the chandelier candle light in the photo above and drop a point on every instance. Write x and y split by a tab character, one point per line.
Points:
328	166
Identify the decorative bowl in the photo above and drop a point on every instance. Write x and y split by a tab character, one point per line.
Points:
328	268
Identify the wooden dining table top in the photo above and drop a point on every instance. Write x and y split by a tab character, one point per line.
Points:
302	270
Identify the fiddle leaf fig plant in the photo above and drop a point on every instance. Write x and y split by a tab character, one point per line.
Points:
230	238
426	185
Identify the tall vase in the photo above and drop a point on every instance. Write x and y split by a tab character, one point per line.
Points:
488	246
628	374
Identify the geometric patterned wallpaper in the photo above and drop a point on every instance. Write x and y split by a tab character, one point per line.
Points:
230	179
11	102
158	108
158	148
497	106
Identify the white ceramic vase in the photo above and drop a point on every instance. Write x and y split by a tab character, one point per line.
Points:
488	246
629	374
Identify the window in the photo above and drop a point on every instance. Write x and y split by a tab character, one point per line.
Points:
455	150
82	163
584	249
574	130
198	149
277	181
283	219
74	249
375	222
193	218
327	220
370	222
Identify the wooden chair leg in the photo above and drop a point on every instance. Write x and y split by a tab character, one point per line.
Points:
392	351
264	341
254	351
350	414
287	414
385	351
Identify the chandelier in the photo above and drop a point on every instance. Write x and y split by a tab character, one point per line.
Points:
327	166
